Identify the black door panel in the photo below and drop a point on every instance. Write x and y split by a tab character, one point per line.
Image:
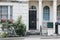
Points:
56	27
32	19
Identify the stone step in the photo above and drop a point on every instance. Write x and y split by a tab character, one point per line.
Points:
33	32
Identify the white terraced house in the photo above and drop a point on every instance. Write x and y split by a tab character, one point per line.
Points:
39	16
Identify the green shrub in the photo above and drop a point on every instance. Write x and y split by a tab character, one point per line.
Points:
20	28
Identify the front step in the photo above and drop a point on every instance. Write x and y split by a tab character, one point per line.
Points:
33	32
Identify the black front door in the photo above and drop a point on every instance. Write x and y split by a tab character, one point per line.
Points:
32	19
56	27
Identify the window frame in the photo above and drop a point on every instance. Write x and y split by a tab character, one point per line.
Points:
8	9
46	13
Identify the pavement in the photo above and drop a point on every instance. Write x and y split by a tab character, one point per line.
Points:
33	37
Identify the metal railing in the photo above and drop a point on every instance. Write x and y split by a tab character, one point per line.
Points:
44	29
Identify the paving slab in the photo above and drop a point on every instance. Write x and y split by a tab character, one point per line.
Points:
33	37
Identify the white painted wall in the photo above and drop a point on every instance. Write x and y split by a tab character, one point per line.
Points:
19	9
23	9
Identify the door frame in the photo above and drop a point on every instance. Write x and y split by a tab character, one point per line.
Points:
36	18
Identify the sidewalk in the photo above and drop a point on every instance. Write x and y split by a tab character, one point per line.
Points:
33	37
44	37
50	37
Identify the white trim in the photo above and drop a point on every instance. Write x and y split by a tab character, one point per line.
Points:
40	14
54	14
8	12
32	9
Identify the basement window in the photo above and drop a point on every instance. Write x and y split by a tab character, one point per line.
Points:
50	24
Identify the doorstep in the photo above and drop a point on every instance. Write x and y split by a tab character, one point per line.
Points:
33	32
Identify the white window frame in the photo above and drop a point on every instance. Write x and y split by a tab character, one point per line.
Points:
9	11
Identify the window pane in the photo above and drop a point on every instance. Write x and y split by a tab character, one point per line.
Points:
0	16
0	11
58	13
11	12
5	17
5	12
46	13
10	16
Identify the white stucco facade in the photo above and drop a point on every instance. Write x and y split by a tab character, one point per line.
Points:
22	8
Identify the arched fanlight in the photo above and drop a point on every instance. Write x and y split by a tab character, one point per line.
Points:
33	7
